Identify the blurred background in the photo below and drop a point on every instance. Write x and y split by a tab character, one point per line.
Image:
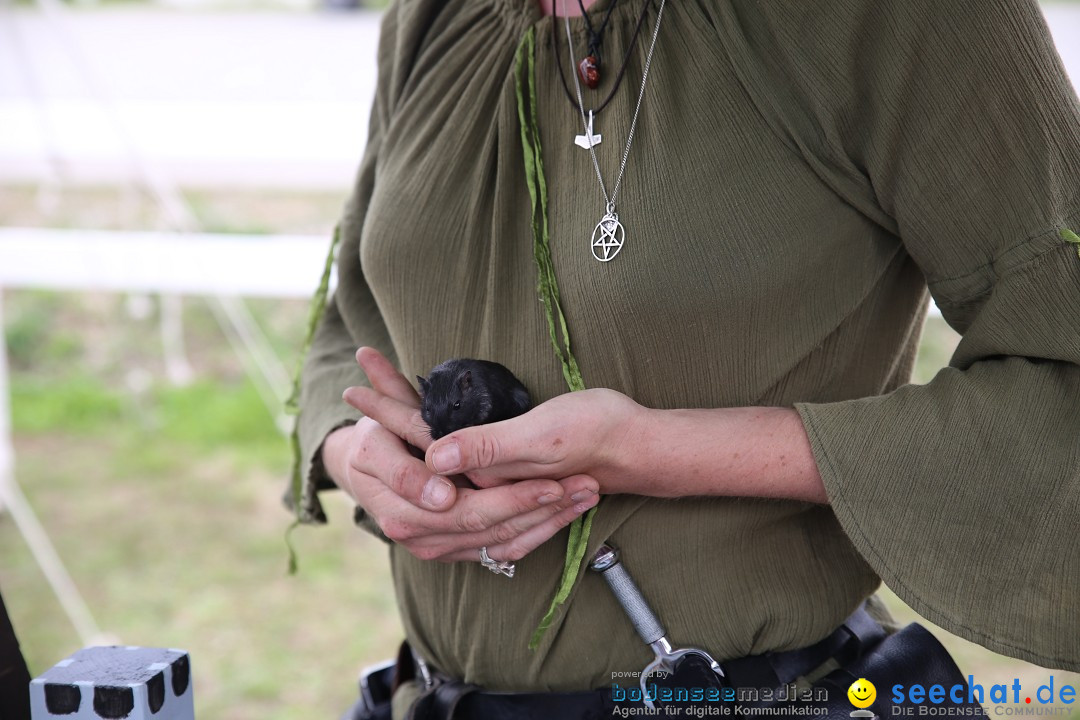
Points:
145	147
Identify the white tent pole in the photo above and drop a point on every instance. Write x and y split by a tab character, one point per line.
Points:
272	396
16	504
177	367
7	447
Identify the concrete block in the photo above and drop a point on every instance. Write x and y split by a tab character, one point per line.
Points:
116	682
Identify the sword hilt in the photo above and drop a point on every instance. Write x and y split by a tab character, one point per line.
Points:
606	562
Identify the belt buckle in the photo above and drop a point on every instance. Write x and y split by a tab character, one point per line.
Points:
374	688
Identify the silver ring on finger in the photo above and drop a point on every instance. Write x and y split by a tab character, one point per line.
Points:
496	566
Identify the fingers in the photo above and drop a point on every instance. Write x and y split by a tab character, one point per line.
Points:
472	519
379	453
398	417
527	541
480	512
520	532
385	378
574	490
425	512
509	444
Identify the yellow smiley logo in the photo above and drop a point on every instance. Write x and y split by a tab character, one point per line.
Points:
862	693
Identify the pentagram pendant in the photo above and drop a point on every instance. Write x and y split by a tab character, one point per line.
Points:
608	237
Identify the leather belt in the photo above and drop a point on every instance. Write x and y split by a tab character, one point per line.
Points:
446	698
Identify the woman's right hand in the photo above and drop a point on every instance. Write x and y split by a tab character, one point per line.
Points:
429	515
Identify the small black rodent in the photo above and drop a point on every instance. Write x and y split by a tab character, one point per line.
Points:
462	392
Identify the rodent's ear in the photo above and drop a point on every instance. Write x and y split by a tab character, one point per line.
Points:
465	381
424	386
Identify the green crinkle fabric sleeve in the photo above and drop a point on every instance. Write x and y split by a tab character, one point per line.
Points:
962	494
329	358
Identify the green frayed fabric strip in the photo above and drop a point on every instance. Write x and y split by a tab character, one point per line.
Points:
548	288
300	494
294	559
575	551
1070	237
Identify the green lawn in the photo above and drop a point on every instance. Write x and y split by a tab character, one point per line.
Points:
165	506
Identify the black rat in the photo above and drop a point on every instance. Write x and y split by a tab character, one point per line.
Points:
462	392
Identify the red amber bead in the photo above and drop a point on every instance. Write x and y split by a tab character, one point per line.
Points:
589	70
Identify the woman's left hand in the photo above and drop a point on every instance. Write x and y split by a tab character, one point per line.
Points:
627	448
590	432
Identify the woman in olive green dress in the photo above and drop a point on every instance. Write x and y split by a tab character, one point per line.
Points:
799	175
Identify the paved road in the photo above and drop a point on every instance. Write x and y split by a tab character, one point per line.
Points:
214	98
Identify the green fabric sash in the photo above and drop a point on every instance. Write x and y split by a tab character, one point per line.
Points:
548	287
1070	237
292	405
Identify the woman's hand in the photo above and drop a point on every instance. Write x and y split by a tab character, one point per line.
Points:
748	451
627	448
596	432
426	513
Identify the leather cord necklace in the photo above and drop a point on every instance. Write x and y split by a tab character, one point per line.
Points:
622	69
589	67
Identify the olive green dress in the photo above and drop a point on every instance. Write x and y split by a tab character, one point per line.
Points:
800	174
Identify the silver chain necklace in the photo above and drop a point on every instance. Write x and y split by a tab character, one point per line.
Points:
609	235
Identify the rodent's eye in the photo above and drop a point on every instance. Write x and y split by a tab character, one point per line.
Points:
457	405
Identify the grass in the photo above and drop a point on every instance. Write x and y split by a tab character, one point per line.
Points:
186	551
164	502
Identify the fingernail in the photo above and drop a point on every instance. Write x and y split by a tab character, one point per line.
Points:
447	458
582	495
547	499
435	492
